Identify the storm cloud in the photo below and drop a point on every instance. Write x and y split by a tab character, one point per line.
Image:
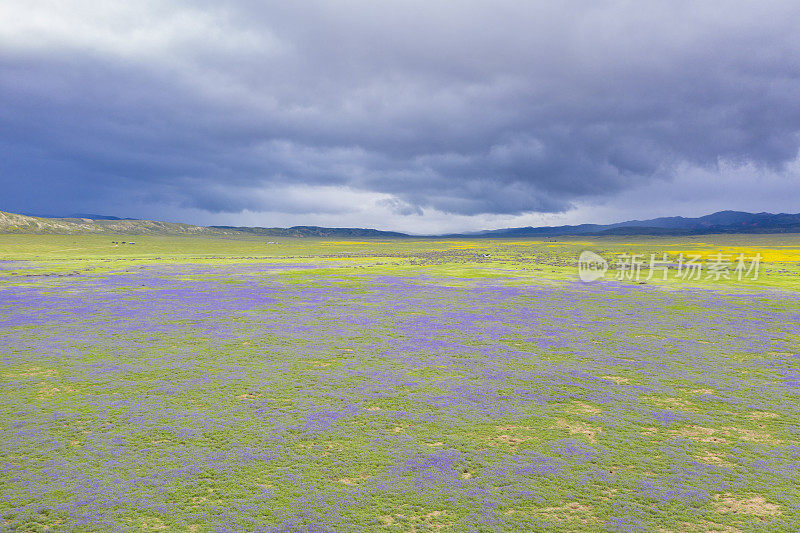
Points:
499	108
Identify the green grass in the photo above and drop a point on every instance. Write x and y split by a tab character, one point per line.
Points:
712	363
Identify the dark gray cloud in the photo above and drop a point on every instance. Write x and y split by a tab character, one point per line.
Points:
501	107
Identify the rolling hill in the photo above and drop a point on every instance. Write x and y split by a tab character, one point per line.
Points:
107	225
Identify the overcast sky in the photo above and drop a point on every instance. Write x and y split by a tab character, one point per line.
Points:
421	116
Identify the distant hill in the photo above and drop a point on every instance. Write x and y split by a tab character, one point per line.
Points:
311	231
13	223
721	222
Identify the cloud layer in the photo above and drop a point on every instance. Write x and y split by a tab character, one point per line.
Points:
491	110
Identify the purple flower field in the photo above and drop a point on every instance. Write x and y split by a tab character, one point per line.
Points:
280	398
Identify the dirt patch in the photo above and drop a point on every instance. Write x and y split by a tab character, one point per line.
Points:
410	522
34	371
49	391
672	402
586	409
571	507
713	458
511	437
761	415
699	434
754	505
511	440
752	436
619	380
352	481
153	524
609	494
571	511
579	428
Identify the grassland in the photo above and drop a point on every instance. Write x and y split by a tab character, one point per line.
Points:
228	384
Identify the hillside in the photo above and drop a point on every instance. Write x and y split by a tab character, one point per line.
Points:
720	222
107	225
13	223
311	231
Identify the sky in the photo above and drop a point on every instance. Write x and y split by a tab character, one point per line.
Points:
423	116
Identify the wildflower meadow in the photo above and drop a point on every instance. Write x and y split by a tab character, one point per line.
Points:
357	386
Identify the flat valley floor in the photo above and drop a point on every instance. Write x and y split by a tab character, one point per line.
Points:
184	384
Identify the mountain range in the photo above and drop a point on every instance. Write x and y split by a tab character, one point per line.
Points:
720	222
